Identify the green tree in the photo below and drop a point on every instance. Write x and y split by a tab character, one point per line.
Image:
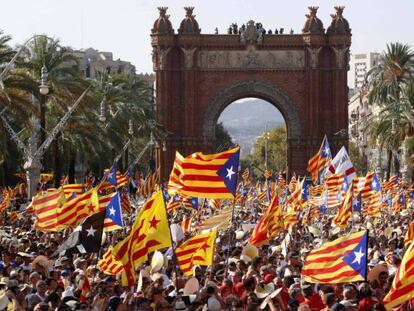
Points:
276	154
223	139
389	84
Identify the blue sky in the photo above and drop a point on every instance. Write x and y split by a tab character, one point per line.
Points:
123	26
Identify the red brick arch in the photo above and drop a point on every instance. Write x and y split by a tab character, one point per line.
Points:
303	75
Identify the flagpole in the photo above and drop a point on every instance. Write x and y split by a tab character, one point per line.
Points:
231	239
174	257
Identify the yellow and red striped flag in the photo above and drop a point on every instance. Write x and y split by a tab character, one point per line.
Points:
292	184
409	236
14	216
210	175
402	288
72	188
269	224
398	202
45	208
150	232
86	288
219	221
185	224
333	185
345	210
245	175
6	201
196	251
290	219
320	160
75	210
109	265
343	260
122	180
148	187
177	173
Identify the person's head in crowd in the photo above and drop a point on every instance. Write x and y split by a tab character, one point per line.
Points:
53	300
329	299
382	277
42	306
41	287
237	277
337	307
34	278
163	305
249	284
350	292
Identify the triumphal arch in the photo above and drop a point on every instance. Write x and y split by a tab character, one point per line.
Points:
303	75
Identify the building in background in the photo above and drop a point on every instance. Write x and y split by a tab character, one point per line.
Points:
359	66
92	61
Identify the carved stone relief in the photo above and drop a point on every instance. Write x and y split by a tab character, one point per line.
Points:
188	57
314	56
251	59
162	57
340	54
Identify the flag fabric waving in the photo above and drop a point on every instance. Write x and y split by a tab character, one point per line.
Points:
345	210
109	264
196	251
45	208
341	163
343	260
402	288
209	175
409	236
86	287
150	232
320	160
86	238
113	215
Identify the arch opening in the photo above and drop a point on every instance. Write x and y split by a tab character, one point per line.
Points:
260	130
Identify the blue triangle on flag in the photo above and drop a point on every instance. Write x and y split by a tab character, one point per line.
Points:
111	177
113	210
357	257
194	203
229	172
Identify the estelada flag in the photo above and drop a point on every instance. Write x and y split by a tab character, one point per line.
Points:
402	288
211	176
320	160
196	251
343	260
150	232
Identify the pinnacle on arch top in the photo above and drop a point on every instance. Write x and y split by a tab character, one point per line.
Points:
339	10
313	24
163	10
162	25
313	10
189	11
339	24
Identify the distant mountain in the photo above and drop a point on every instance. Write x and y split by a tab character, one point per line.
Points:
247	119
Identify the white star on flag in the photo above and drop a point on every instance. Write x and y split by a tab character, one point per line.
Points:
91	231
230	172
374	185
358	256
111	211
326	150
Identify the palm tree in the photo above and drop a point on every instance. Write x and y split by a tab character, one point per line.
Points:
387	83
64	78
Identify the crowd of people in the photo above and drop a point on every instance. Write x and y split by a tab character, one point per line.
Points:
242	276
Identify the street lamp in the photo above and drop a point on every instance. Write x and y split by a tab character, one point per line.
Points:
44	86
266	137
102	115
130	128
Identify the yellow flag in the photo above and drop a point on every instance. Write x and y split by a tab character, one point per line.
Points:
196	251
150	232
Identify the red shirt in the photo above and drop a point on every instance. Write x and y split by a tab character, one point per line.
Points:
315	303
